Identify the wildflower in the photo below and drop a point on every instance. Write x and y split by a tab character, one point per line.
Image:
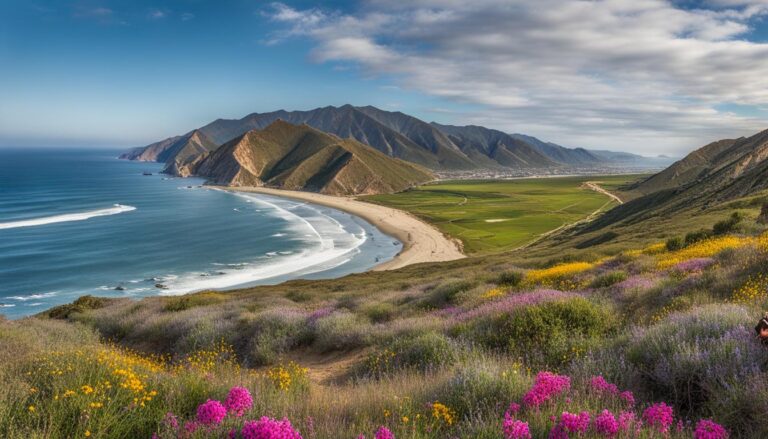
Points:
31	409
171	421
600	385
190	427
708	429
628	397
606	424
442	412
269	428
546	387
514	428
238	401
383	433
626	419
514	408
211	412
660	416
87	433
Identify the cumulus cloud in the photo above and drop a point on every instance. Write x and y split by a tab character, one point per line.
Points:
642	75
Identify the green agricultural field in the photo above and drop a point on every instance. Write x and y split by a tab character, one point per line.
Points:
499	215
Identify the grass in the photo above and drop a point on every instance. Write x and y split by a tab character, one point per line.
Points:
496	216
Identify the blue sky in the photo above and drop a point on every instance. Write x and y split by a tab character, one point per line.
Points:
125	73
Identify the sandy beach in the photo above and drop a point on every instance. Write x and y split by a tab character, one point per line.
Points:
421	241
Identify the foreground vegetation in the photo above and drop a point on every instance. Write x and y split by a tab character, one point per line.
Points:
499	215
653	341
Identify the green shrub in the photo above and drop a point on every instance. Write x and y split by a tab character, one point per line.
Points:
729	225
341	331
380	312
608	279
182	303
694	237
83	303
547	334
273	333
427	351
445	294
509	278
675	243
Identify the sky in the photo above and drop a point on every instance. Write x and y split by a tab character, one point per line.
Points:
644	76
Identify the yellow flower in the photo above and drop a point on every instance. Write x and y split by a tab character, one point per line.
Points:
31	408
557	276
87	433
405	419
443	413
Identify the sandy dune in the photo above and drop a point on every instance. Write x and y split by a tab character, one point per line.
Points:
421	241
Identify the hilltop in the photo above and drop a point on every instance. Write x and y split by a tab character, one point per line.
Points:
295	157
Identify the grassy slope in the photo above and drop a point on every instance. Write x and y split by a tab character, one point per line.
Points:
350	328
495	216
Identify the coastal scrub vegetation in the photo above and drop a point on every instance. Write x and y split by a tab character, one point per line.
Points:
648	342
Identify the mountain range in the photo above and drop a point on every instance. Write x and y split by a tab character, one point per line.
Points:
398	135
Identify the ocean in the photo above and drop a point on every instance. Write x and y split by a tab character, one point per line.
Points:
77	222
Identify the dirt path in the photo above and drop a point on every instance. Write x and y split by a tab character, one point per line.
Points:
596	187
591	185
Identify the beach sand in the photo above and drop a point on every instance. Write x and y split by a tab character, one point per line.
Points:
421	241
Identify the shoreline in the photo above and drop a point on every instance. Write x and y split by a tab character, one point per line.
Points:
421	241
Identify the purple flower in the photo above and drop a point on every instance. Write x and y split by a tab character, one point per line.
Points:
383	433
626	419
268	428
238	401
515	429
708	429
694	265
547	386
636	283
606	424
570	423
600	385
171	421
211	412
659	416
513	302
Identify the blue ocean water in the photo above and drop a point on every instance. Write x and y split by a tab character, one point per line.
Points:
76	222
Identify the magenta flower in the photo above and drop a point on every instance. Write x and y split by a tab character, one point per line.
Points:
268	428
211	412
516	429
626	420
659	416
600	385
383	433
238	401
628	397
547	386
171	421
514	408
708	429
190	427
606	424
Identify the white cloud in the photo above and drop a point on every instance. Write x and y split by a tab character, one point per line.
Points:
643	75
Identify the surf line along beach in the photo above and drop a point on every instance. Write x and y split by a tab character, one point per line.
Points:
421	241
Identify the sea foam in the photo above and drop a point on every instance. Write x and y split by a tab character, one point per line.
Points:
80	216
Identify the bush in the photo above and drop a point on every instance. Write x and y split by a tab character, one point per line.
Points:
607	279
341	331
445	294
675	243
481	389
729	225
380	312
83	303
696	358
694	237
549	333
182	303
509	278
427	351
273	333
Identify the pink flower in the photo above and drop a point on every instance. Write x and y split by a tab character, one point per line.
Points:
383	433
547	386
659	416
626	419
708	429
191	427
570	423
268	428
600	385
606	424
238	401
628	397
171	421
516	429
514	408
211	412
